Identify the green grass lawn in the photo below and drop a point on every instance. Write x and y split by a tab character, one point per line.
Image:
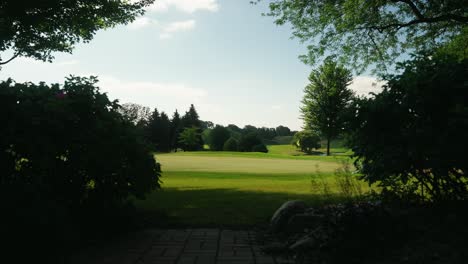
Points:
235	189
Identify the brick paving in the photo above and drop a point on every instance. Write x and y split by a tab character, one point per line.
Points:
180	246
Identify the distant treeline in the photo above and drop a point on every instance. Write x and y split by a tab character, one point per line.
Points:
189	133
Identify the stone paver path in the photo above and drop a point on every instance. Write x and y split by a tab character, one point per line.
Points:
180	246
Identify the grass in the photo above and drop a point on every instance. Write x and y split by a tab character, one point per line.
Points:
236	189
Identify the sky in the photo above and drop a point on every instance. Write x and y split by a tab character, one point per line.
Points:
235	65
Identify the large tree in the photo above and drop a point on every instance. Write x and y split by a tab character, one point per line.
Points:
37	28
176	127
326	99
411	138
370	32
218	136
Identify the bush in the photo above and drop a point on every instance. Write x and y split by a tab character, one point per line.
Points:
230	145
248	141
217	137
306	141
65	149
260	148
411	138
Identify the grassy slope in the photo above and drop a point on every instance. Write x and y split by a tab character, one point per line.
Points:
234	189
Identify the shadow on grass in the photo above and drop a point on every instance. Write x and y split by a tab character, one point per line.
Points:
222	208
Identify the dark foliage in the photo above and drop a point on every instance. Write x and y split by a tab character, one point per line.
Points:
411	138
37	28
68	159
231	145
260	148
218	136
306	141
248	141
372	232
176	127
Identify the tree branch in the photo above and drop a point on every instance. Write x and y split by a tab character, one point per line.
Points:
12	58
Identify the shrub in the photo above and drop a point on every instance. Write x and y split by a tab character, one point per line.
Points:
218	136
260	148
248	141
230	145
411	138
64	149
306	141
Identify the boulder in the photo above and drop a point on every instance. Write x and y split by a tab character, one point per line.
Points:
306	242
304	221
281	217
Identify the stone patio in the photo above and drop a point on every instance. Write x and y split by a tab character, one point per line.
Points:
179	246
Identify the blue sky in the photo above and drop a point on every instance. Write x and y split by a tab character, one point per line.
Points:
234	64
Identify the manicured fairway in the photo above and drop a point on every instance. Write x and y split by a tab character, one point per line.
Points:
176	162
213	189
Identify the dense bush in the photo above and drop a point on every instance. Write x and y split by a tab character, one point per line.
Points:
230	145
260	148
66	150
218	136
248	141
306	141
411	138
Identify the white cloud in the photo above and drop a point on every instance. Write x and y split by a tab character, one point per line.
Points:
363	85
142	22
153	94
187	6
178	26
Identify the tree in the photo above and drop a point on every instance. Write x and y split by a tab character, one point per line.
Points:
70	160
326	100
260	148
192	120
176	126
306	141
283	131
411	138
165	133
231	145
218	136
36	29
135	113
189	139
366	33
248	141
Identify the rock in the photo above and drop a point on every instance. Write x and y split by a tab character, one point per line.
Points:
284	213
304	243
300	222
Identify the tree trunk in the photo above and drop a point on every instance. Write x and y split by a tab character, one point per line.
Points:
328	146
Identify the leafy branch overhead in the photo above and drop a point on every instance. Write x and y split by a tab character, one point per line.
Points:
37	28
370	33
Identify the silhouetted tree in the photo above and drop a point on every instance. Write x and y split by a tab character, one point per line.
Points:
36	29
371	32
68	161
411	137
326	100
248	141
218	136
191	119
176	127
165	134
283	131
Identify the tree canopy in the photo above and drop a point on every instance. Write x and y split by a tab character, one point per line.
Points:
411	138
37	28
373	33
326	99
